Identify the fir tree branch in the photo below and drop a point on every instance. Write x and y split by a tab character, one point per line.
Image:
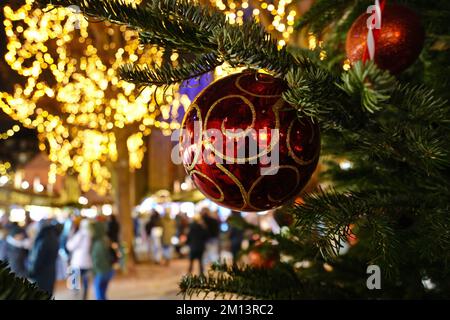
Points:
251	46
280	283
166	74
326	217
368	84
188	26
310	89
322	14
406	128
14	288
165	23
420	105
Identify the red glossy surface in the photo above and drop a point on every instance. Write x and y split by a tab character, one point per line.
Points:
220	164
397	44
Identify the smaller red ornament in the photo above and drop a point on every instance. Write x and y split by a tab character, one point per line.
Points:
397	44
263	257
351	237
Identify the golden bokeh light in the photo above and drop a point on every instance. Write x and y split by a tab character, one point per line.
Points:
72	95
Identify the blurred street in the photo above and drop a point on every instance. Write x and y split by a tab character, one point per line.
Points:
148	282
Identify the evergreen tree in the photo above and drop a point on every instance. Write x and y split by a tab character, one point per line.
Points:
393	129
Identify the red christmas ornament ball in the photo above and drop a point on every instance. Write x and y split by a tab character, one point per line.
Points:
258	261
397	44
263	257
244	146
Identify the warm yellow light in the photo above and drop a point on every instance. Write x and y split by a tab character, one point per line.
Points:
312	42
346	66
78	112
279	22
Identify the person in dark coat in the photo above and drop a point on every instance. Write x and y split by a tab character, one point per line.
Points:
17	246
212	224
113	229
197	237
3	243
153	228
182	222
43	255
236	237
154	221
4	222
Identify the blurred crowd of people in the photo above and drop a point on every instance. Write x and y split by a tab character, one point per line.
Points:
201	234
40	250
88	251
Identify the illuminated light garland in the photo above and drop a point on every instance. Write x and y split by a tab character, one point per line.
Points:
278	16
136	150
5	168
10	132
72	95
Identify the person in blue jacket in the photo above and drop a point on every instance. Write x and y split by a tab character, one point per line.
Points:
43	255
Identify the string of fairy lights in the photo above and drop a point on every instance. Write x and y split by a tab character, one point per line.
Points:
10	132
71	93
73	97
4	168
277	16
